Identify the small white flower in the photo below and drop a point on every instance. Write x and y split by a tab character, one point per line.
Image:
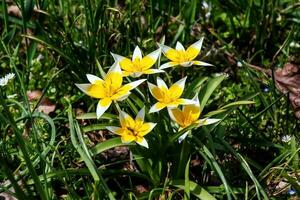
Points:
239	64
10	76
12	96
3	81
286	138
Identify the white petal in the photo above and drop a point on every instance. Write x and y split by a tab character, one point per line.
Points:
92	78
197	45
188	102
101	109
137	53
141	114
179	47
144	143
113	129
154	71
155	108
181	82
122	116
123	97
167	65
171	113
200	63
151	87
183	136
207	121
115	68
83	87
187	64
134	84
117	57
155	54
196	98
164	48
161	83
152	125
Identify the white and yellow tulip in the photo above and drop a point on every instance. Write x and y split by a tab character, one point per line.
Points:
182	57
189	115
168	97
108	90
138	65
133	129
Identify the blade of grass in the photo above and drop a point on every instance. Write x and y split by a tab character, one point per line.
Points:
74	129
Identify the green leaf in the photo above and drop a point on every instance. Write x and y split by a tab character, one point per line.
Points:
237	103
95	127
194	86
93	116
195	189
208	89
108	144
209	157
81	148
187	181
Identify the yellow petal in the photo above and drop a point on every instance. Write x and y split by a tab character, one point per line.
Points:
96	91
146	128
113	80
127	73
193	50
127	138
126	120
192	112
120	94
177	115
149	60
172	54
176	89
192	53
127	65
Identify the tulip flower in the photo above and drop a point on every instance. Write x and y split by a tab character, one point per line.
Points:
138	65
108	90
182	57
189	115
133	129
168	97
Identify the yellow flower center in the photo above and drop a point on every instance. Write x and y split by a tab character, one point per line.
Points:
109	89
137	65
182	57
133	131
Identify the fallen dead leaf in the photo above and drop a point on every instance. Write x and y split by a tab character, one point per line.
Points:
46	105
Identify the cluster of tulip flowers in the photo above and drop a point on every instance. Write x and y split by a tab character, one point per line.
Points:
111	89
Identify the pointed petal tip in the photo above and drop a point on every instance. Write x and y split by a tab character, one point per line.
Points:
144	143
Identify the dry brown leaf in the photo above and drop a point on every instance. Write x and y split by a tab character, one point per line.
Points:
46	106
288	80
